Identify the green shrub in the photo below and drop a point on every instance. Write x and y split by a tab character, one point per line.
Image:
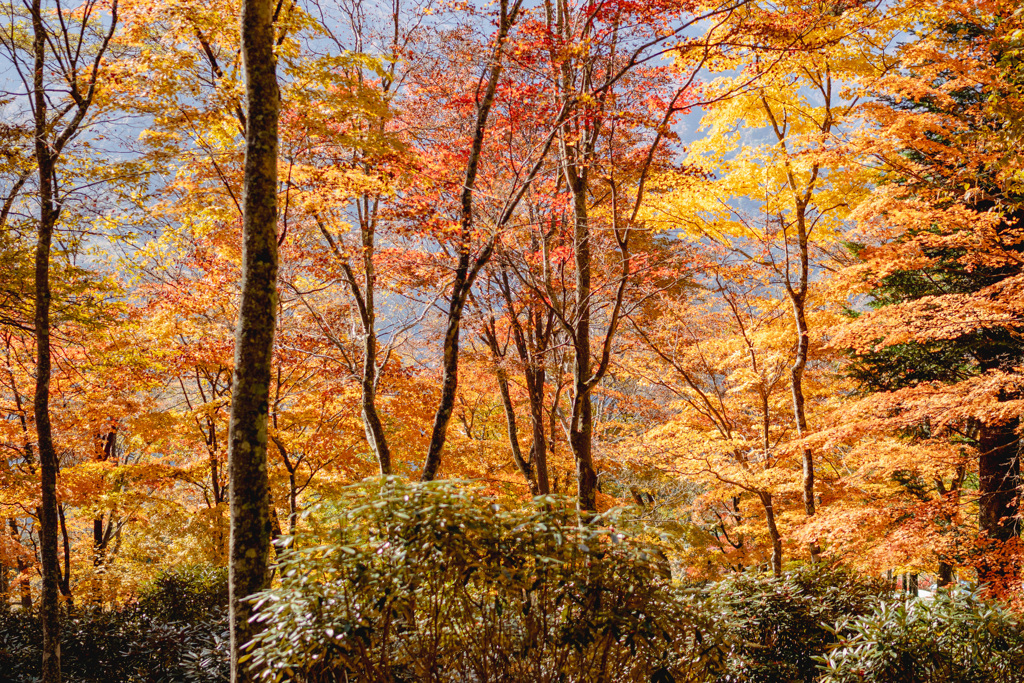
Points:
779	625
436	582
954	638
124	645
186	593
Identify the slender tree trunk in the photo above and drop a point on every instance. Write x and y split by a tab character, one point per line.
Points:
525	466
535	378
293	504
467	268
773	531
371	418
531	344
249	486
802	197
365	303
449	367
65	575
581	428
101	531
952	496
798	297
48	465
372	423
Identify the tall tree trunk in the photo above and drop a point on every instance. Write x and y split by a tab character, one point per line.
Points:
249	493
372	423
371	418
70	65
365	304
525	466
535	378
999	485
468	268
449	365
798	296
49	612
802	197
581	427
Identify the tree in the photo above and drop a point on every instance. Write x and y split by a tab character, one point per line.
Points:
939	356
254	343
61	77
605	155
721	358
468	265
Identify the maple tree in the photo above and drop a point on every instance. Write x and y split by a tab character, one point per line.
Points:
940	254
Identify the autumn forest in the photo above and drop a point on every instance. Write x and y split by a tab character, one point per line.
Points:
562	340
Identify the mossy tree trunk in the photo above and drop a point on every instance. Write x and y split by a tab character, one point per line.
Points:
249	493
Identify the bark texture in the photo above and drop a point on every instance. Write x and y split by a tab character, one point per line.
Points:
45	163
251	524
999	485
999	475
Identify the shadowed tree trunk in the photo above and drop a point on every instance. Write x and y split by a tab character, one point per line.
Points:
41	405
76	69
254	341
999	474
999	483
773	531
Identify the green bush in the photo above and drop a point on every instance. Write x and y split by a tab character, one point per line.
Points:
186	593
124	645
954	638
778	625
436	582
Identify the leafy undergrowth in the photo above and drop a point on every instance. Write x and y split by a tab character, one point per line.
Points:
176	633
955	638
438	583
